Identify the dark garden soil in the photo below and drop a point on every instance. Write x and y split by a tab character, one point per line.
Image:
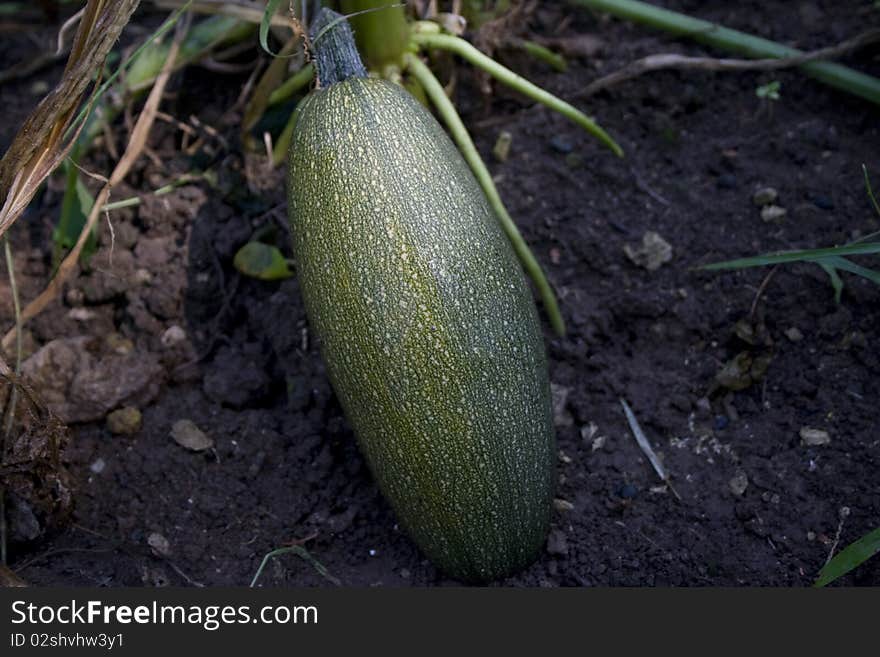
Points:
171	328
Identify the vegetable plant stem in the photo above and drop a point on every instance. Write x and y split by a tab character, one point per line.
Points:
834	75
446	109
543	54
465	50
293	84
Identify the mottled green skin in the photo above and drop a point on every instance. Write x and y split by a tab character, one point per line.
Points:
429	330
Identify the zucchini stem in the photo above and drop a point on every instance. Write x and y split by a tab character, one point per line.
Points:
447	112
465	50
336	56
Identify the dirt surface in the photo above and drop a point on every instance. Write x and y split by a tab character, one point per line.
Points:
170	328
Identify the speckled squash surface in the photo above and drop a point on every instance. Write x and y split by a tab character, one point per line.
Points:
427	324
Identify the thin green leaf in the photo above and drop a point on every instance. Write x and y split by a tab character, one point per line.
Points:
162	29
853	268
871	191
850	557
300	552
836	281
266	22
75	208
809	255
262	261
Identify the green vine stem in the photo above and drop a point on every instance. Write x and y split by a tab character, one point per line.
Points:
447	112
282	144
543	54
468	52
834	75
292	85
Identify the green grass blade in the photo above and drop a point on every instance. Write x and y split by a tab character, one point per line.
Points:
160	31
853	268
303	554
808	255
836	281
266	22
850	557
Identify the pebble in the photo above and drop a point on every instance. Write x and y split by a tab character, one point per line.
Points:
173	335
98	466
74	297
159	543
653	252
794	334
119	344
739	483
814	437
501	151
561	416
81	314
557	543
562	505
773	213
187	434
765	196
124	421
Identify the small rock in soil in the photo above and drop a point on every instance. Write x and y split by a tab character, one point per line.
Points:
765	196
562	505
97	466
653	252
773	213
739	483
557	543
124	421
187	434
814	437
794	334
501	151
159	543
81	382
561	416
173	335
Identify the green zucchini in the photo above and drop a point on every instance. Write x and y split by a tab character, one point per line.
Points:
430	334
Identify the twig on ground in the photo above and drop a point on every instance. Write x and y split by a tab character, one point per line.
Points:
842	515
642	440
761	289
676	61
